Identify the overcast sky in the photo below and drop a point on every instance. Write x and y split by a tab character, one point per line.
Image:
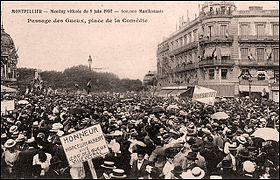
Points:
128	50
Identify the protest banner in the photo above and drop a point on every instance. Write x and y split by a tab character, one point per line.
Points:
8	105
85	145
204	95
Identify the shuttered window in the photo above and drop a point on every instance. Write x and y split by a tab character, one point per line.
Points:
244	53
260	54
244	31
275	30
260	30
211	73
276	54
223	30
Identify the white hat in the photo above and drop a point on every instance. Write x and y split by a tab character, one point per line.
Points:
249	166
32	139
195	173
108	164
215	177
13	129
60	133
10	143
71	130
118	173
56	127
241	139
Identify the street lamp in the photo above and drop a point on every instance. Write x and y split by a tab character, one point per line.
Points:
89	62
250	81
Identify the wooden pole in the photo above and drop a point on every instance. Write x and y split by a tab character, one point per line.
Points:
92	169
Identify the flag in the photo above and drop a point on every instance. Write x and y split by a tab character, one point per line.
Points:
269	57
89	84
213	53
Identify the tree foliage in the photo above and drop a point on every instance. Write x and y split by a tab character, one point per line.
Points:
80	75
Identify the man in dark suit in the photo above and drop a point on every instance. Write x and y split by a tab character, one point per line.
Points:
24	164
138	169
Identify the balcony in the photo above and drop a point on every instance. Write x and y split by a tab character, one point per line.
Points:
216	39
183	48
215	63
214	14
163	49
185	67
246	62
255	38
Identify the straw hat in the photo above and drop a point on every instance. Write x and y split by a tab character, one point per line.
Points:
21	138
195	173
108	165
56	127
60	133
13	129
118	173
241	139
10	143
215	177
4	135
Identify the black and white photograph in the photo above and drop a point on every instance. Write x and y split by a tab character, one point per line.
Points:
140	90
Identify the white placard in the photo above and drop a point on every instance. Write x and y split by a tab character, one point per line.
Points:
8	105
84	145
204	95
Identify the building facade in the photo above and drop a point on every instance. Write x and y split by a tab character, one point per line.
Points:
9	60
220	47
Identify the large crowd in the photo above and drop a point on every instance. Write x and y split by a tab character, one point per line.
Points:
152	138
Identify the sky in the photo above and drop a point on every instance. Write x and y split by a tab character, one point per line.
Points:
125	49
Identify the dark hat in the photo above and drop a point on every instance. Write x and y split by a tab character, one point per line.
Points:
170	152
230	134
227	164
208	145
195	147
177	170
192	156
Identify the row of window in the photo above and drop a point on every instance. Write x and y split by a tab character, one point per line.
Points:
260	30
260	54
224	73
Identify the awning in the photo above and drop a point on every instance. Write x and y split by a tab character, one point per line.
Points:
222	90
5	89
245	88
162	93
177	92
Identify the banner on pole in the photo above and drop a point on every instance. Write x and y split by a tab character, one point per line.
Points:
84	145
204	95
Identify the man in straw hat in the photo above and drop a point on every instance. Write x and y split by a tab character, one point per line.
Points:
108	167
118	174
10	156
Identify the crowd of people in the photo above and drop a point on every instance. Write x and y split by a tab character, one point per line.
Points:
152	138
